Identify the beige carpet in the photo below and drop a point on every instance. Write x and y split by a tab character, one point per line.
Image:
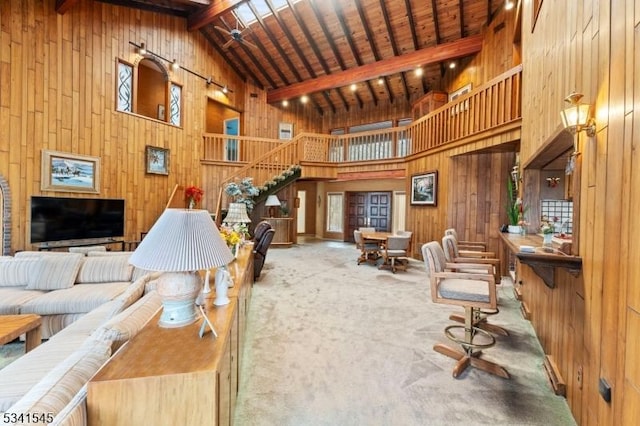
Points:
333	343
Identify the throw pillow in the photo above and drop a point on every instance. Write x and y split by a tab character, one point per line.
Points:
85	250
105	269
54	272
15	273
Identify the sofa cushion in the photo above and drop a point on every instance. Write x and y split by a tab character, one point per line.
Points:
58	387
86	249
15	272
12	298
55	272
75	412
104	269
78	299
129	322
22	374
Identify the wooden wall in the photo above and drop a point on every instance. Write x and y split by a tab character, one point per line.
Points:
57	92
593	47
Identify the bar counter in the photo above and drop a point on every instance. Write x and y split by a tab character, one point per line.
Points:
544	258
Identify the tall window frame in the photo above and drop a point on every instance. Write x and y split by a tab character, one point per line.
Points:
335	212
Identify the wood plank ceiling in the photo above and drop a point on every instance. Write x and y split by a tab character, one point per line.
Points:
320	48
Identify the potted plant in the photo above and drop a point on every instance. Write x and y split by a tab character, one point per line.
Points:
515	209
242	192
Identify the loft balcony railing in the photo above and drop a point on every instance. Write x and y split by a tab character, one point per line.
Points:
486	109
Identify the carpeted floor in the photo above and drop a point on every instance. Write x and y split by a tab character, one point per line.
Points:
333	343
10	352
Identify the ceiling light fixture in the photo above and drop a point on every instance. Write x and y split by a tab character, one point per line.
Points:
380	81
508	5
285	103
304	99
418	72
452	65
354	87
175	65
225	90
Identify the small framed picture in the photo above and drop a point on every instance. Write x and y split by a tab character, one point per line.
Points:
285	131
66	172
424	189
161	115
157	160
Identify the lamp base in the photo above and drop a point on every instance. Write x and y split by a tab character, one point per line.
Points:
178	291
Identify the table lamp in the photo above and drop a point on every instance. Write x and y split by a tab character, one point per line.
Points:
237	214
180	243
272	201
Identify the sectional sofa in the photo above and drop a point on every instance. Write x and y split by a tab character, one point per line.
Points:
90	305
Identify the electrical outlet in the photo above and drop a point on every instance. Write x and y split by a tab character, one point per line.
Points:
579	377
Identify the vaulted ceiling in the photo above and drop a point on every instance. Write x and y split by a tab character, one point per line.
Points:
293	48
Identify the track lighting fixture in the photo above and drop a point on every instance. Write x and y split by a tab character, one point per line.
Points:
142	50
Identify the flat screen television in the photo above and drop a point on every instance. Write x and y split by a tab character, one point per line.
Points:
60	219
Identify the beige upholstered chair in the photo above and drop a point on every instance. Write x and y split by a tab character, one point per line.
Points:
395	253
369	251
474	265
466	245
471	291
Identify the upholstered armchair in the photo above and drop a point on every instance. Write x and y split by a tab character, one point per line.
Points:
369	251
261	228
260	252
471	291
395	253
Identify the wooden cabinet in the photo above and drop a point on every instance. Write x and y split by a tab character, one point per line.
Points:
171	376
284	230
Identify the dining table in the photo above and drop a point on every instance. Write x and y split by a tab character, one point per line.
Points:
380	238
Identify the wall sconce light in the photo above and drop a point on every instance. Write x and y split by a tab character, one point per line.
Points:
578	116
142	49
552	182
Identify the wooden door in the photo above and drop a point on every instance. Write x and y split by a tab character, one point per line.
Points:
368	209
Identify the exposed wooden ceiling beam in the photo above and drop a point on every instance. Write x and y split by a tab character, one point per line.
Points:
455	49
62	6
207	14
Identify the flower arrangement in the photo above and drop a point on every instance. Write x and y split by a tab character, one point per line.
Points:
233	237
547	226
193	195
242	192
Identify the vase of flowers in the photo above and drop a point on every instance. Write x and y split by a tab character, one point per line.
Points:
193	195
234	238
546	228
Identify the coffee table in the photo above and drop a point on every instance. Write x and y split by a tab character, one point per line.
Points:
12	326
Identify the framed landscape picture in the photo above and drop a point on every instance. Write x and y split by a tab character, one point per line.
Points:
424	189
66	172
157	160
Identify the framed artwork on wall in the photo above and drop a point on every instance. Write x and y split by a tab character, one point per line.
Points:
285	131
156	160
424	189
66	172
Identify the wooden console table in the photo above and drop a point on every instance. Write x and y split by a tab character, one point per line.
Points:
170	376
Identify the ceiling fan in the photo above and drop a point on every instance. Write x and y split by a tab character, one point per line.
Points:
236	36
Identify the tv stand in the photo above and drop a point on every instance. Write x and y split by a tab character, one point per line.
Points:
52	245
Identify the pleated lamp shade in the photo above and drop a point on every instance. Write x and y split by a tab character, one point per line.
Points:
182	240
180	243
237	214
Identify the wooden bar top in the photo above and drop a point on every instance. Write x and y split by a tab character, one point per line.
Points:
544	258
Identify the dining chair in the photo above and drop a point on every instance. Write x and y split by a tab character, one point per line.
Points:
369	251
474	265
472	292
454	254
395	253
365	230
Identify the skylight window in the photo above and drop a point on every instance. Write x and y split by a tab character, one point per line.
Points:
246	16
